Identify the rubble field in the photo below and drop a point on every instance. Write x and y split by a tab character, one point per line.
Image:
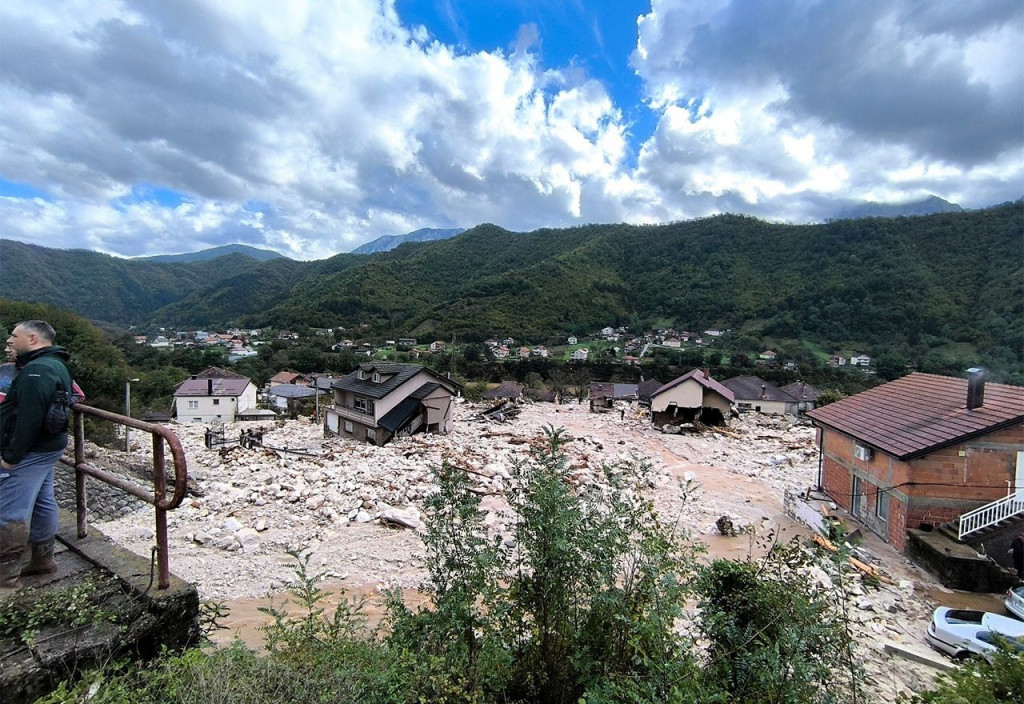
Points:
355	511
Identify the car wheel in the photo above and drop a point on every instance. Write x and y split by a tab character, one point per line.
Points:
963	656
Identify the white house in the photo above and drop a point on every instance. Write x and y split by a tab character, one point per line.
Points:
205	399
580	355
860	360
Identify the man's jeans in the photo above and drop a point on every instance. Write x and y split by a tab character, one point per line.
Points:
26	494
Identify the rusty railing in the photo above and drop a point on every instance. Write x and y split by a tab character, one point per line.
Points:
157	496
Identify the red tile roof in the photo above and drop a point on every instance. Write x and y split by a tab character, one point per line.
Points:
921	413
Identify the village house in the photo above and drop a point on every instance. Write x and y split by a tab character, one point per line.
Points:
437	346
407	341
580	355
755	394
524	352
767	355
508	390
286	397
539	351
571	340
379	401
286	377
672	342
806	395
923	450
213	395
860	360
694	396
501	352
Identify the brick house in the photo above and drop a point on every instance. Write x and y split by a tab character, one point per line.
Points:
922	450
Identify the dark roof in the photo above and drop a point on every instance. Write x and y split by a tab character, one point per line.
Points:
801	391
697	375
393	376
600	390
400	414
753	388
921	413
646	388
292	391
424	391
506	389
221	387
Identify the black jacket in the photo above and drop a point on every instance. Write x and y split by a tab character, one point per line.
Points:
24	408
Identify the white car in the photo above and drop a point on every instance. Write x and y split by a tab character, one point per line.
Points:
961	633
1015	601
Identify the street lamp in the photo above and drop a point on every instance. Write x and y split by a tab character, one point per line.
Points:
128	412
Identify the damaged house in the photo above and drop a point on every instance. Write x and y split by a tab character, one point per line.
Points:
692	398
378	402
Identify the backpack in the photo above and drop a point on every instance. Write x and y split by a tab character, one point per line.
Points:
58	415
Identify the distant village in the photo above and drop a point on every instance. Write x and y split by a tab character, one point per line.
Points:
609	344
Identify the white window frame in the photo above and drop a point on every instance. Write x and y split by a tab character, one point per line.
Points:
363	405
882	498
193	405
348	426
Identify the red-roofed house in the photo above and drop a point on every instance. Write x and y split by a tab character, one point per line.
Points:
694	396
924	450
205	399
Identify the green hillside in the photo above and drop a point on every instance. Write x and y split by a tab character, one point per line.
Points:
102	287
892	283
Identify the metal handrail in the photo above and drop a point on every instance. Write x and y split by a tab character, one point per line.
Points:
157	496
990	514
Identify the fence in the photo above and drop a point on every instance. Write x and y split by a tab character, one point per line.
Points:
156	496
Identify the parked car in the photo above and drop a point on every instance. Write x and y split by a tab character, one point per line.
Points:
1015	601
961	633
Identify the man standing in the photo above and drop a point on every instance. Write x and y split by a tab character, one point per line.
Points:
1017	548
28	510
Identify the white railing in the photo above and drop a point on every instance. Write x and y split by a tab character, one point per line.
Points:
990	514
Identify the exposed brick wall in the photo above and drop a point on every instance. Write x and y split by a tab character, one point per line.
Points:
939	486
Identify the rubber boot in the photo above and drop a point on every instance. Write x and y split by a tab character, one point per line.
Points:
42	561
13	542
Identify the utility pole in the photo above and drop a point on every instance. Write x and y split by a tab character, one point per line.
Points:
128	412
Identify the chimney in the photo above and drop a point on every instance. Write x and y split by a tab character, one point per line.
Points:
209	387
975	387
707	372
764	390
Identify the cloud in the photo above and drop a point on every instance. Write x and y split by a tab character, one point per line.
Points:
870	89
314	127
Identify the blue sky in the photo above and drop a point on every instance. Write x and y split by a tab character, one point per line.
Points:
147	127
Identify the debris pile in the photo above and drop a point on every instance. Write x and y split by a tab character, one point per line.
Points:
355	510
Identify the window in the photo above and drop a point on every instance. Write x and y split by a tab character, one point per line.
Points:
862	452
216	402
376	377
371	434
193	405
882	504
360	374
348	426
363	405
858	503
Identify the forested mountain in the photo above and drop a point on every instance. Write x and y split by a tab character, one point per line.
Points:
260	255
101	287
905	285
928	206
389	242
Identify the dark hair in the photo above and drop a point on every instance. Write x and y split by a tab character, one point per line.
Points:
41	328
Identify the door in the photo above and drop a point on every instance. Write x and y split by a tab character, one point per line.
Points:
1019	480
858	502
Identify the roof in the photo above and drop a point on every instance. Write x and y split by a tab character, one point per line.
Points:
698	376
605	389
645	389
393	376
292	391
506	389
750	388
221	387
801	391
285	377
921	413
218	373
400	414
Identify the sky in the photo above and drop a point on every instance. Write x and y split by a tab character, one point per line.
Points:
309	128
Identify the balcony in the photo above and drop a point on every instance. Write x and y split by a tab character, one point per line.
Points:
353	414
